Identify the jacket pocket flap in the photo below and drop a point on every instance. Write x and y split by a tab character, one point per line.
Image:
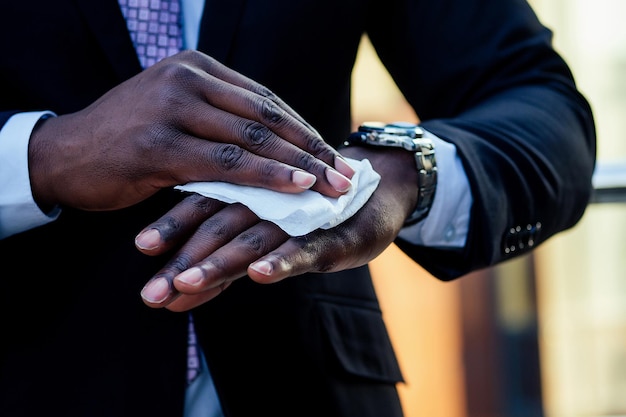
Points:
360	342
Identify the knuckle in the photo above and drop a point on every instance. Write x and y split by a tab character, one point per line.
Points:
253	242
168	228
318	146
322	253
175	70
349	241
229	156
306	161
218	263
327	263
186	54
255	134
215	229
270	169
325	266
271	112
201	205
172	93
263	91
193	55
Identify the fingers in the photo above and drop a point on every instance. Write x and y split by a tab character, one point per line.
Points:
211	276
177	224
233	242
230	262
220	243
187	118
348	245
199	282
211	234
185	302
318	251
262	154
203	160
220	71
246	114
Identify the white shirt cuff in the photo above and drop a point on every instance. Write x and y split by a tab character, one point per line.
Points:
18	210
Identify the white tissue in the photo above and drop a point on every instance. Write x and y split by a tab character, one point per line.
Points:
296	214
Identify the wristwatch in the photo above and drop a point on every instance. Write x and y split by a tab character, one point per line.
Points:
408	136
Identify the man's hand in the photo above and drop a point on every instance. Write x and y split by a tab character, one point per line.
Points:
187	118
226	242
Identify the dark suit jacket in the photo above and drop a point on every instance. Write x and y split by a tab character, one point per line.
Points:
479	73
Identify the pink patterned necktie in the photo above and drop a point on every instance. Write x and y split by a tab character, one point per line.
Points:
155	28
193	356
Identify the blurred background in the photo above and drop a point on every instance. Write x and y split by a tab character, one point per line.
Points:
545	334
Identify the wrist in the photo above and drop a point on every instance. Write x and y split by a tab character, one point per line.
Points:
38	159
409	138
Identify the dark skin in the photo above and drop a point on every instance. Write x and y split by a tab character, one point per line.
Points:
187	118
222	243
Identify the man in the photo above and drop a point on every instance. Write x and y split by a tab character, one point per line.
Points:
498	103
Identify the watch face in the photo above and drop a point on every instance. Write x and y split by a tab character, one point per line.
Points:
410	137
396	129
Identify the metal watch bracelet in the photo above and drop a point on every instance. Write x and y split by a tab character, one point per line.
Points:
408	136
427	170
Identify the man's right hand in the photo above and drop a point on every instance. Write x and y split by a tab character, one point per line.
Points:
187	118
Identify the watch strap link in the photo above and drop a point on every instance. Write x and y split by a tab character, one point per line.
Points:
408	136
427	170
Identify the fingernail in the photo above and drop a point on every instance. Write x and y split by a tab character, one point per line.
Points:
156	291
303	179
338	181
343	167
262	267
192	276
148	240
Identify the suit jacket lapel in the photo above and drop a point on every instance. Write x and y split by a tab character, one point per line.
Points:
218	25
109	28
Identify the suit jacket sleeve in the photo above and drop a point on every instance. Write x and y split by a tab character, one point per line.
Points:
489	81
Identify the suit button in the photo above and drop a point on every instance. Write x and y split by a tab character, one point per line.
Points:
518	238
449	233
